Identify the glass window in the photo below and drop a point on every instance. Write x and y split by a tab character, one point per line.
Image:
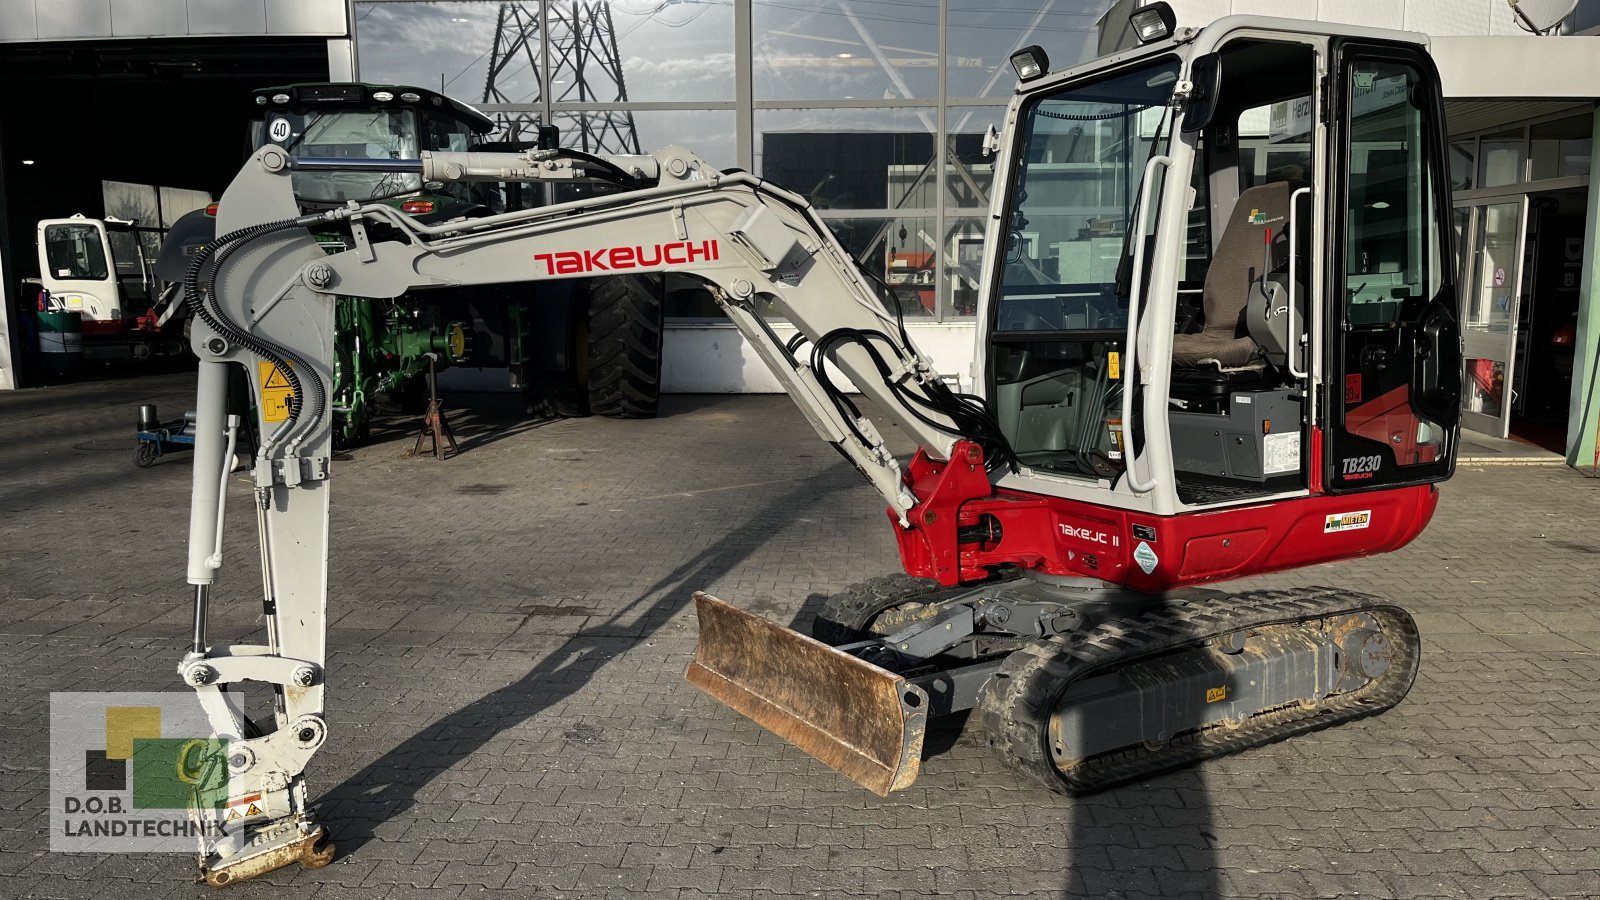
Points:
1083	151
445	133
708	133
1463	164
845	49
488	53
900	251
133	202
449	47
126	250
1278	139
1495	248
984	34
347	134
666	51
1500	158
1486	387
1561	148
850	158
970	172
963	264
1392	244
1397	352
75	252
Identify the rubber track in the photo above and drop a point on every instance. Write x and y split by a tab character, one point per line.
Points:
625	346
1016	704
845	616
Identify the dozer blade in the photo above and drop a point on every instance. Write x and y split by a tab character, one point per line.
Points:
863	721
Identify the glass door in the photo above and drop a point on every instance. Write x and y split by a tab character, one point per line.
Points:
1491	263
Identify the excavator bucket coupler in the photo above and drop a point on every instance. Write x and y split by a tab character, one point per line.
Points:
862	720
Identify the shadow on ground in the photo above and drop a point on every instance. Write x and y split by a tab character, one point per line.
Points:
388	786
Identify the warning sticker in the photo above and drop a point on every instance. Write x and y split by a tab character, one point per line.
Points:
1113	365
276	394
1216	694
1280	453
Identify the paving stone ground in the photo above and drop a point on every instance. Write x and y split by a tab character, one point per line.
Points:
508	712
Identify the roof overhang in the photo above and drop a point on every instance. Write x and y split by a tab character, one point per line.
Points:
1504	66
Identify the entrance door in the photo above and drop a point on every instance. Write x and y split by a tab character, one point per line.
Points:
1491	237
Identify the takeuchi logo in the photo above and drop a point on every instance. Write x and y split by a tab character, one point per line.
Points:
620	259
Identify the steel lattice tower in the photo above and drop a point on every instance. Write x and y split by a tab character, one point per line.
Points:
585	67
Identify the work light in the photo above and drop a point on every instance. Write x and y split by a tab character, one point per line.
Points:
1153	22
1030	62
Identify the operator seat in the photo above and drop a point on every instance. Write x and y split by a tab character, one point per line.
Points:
1237	263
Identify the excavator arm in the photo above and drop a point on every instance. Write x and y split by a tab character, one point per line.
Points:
263	297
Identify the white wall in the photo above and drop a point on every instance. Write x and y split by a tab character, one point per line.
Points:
68	20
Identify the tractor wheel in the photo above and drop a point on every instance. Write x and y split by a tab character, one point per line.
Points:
877	607
624	346
563	394
144	455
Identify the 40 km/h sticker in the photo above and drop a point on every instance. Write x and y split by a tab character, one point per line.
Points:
276	394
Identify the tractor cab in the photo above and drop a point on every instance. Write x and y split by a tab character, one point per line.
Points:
1227	275
357	121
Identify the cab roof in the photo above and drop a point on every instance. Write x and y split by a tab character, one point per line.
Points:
362	95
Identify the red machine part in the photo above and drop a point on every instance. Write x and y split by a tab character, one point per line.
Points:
1137	550
1389	420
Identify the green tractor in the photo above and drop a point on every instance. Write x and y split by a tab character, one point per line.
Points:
574	348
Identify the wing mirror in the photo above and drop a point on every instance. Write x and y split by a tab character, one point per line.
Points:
1205	73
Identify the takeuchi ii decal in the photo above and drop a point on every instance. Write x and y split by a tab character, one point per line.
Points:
618	259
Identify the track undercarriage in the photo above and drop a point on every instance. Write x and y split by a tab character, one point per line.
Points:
1081	687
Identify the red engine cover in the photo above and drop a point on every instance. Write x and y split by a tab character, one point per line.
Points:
1138	550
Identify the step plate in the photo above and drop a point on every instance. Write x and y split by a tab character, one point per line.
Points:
863	721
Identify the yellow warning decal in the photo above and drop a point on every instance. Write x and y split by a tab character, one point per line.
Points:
254	810
1114	365
1216	694
276	394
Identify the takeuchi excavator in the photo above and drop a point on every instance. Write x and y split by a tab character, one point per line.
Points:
1217	337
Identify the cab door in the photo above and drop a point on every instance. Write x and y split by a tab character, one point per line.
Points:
75	267
1394	344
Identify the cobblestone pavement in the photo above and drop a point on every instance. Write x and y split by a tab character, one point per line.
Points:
508	714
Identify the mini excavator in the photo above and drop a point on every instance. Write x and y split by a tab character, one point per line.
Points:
1216	338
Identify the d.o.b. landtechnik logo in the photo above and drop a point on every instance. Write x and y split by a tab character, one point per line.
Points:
133	773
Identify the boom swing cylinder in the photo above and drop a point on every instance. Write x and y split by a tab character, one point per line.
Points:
1181	349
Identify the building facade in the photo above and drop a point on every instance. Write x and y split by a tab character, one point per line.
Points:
874	109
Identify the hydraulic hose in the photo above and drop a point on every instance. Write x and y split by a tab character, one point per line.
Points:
218	320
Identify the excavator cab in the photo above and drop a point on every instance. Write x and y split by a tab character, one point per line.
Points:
1279	199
